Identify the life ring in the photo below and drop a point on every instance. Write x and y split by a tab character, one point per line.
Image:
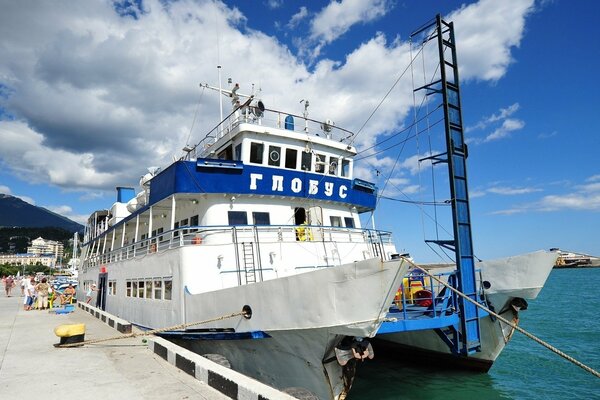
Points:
196	240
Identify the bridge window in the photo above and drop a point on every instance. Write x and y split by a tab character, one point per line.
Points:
333	166
320	162
256	153
194	221
237	217
306	160
238	152
335	221
274	155
345	168
349	221
261	218
226	154
291	157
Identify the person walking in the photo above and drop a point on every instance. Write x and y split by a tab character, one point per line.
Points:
42	290
9	283
90	292
29	293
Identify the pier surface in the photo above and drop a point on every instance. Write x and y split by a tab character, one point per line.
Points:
122	369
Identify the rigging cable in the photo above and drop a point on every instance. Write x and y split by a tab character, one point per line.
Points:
187	141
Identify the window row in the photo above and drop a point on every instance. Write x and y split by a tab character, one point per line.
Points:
241	218
277	156
155	288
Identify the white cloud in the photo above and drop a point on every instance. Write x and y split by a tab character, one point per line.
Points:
5	189
296	18
502	114
67	211
510	191
274	3
98	97
584	197
338	17
485	33
508	126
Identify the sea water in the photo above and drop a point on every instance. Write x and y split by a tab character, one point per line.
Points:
566	314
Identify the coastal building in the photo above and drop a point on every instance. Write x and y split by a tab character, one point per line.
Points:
41	246
47	260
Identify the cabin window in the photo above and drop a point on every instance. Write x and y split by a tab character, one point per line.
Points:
345	168
306	160
335	221
112	288
134	289
320	162
157	290
141	291
237	217
261	218
333	166
291	157
349	221
176	227
168	289
128	289
148	289
226	153
238	152
275	156
183	223
256	153
194	221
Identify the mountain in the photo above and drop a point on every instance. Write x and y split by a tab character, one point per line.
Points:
16	212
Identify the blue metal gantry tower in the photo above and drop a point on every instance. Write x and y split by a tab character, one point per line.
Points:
455	156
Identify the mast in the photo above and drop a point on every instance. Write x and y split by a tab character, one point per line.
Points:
455	157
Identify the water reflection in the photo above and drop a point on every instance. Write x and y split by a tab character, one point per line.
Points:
386	379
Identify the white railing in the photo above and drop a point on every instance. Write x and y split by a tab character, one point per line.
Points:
227	235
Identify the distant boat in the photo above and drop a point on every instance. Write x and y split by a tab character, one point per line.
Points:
570	259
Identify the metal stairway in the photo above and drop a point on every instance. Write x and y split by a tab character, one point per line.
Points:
248	259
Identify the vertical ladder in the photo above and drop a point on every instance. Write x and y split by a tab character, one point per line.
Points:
248	258
455	156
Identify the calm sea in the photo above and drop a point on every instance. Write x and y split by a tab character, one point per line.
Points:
566	314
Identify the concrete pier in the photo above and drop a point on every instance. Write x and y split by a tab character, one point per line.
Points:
123	369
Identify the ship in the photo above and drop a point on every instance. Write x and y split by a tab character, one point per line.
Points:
260	219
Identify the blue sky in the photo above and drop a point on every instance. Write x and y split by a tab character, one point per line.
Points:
92	93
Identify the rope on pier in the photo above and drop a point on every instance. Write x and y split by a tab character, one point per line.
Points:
512	325
155	331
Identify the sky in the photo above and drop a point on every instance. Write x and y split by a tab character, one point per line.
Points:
94	92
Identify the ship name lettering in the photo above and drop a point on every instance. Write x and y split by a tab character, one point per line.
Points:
296	185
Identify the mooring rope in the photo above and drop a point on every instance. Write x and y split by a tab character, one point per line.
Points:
512	325
153	331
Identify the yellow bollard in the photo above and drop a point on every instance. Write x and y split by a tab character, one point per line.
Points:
74	333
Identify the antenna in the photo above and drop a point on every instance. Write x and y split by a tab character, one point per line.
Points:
220	98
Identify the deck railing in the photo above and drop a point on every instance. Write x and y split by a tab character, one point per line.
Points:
373	240
273	119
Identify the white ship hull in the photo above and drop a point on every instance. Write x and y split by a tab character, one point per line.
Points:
299	318
511	278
